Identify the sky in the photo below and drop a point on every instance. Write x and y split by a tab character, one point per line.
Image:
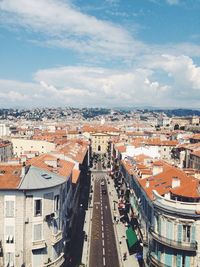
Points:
100	53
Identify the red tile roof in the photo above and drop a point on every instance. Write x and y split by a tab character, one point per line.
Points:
64	168
10	176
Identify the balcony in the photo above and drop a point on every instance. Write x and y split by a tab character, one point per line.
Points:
56	263
38	244
188	246
56	237
152	261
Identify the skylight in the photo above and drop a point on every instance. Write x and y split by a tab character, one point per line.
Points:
46	176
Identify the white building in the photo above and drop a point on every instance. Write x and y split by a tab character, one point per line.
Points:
4	130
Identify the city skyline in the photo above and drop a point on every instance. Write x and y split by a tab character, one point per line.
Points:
99	53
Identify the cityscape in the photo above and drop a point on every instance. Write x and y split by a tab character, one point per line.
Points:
99	133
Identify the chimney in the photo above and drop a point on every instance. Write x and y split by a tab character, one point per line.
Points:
175	182
23	170
147	183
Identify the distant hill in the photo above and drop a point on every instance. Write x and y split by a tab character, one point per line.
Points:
179	112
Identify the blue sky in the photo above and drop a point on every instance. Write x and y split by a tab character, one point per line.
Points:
100	53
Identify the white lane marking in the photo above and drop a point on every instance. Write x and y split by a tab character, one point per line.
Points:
97	207
104	261
102	228
106	207
102	235
103	242
101	217
103	251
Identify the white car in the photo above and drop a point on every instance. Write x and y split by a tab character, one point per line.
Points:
103	183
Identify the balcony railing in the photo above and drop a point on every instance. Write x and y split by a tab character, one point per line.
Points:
153	261
189	246
56	237
38	244
56	263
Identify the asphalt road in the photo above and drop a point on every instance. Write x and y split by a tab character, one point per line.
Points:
103	251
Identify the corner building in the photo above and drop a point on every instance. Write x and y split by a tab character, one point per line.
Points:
166	206
34	204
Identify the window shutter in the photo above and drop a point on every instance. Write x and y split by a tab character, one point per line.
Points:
159	225
179	232
37	232
178	260
187	261
169	230
37	258
9	208
193	239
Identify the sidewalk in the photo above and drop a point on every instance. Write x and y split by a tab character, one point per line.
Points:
87	229
120	230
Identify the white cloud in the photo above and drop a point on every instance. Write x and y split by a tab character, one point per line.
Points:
87	86
62	25
182	69
173	2
65	26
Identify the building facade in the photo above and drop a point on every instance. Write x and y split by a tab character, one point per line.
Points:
167	214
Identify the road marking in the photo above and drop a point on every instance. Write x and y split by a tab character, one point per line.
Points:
102	235
103	251
106	207
101	217
102	227
104	261
103	242
97	203
97	207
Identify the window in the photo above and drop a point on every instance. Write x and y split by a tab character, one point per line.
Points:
38	207
56	203
183	260
9	208
186	233
55	226
37	232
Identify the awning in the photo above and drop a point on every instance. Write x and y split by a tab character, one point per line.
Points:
131	236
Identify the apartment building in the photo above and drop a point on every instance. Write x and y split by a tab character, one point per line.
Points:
39	205
21	145
101	136
166	206
6	150
31	232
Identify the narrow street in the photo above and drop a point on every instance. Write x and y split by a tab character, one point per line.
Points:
103	251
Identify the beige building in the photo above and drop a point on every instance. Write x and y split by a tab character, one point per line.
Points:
31	217
100	142
6	150
21	145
